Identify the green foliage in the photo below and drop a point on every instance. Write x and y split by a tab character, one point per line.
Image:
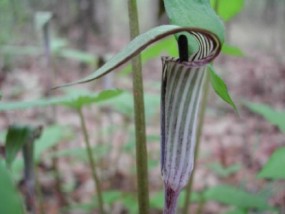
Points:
109	197
130	202
133	48
236	211
274	168
79	101
193	13
16	138
80	153
5	21
58	48
50	137
220	87
236	197
10	200
124	104
231	50
72	101
167	46
228	9
273	116
224	172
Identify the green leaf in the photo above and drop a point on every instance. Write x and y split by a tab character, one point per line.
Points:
228	9
274	168
236	197
16	138
194	13
220	88
51	136
125	104
72	101
110	197
224	172
236	211
166	46
231	50
11	201
83	100
138	45
273	116
7	106
80	153
129	201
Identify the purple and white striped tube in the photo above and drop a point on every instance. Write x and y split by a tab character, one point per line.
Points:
181	91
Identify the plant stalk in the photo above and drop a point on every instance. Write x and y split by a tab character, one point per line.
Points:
92	161
29	169
140	131
29	175
205	94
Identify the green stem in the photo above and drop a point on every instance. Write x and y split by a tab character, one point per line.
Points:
199	133
92	161
201	206
141	147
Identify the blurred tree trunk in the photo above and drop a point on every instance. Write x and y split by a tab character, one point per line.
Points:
87	20
270	11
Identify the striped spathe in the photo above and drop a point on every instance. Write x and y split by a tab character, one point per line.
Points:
181	92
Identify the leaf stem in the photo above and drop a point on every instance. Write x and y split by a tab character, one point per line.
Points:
141	147
199	133
92	161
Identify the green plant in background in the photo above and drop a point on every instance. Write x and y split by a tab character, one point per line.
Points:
17	137
11	201
51	47
23	138
274	168
20	138
77	104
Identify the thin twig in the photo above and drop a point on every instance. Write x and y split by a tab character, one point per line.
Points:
92	161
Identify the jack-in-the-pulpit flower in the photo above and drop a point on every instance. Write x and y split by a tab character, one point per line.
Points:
182	85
